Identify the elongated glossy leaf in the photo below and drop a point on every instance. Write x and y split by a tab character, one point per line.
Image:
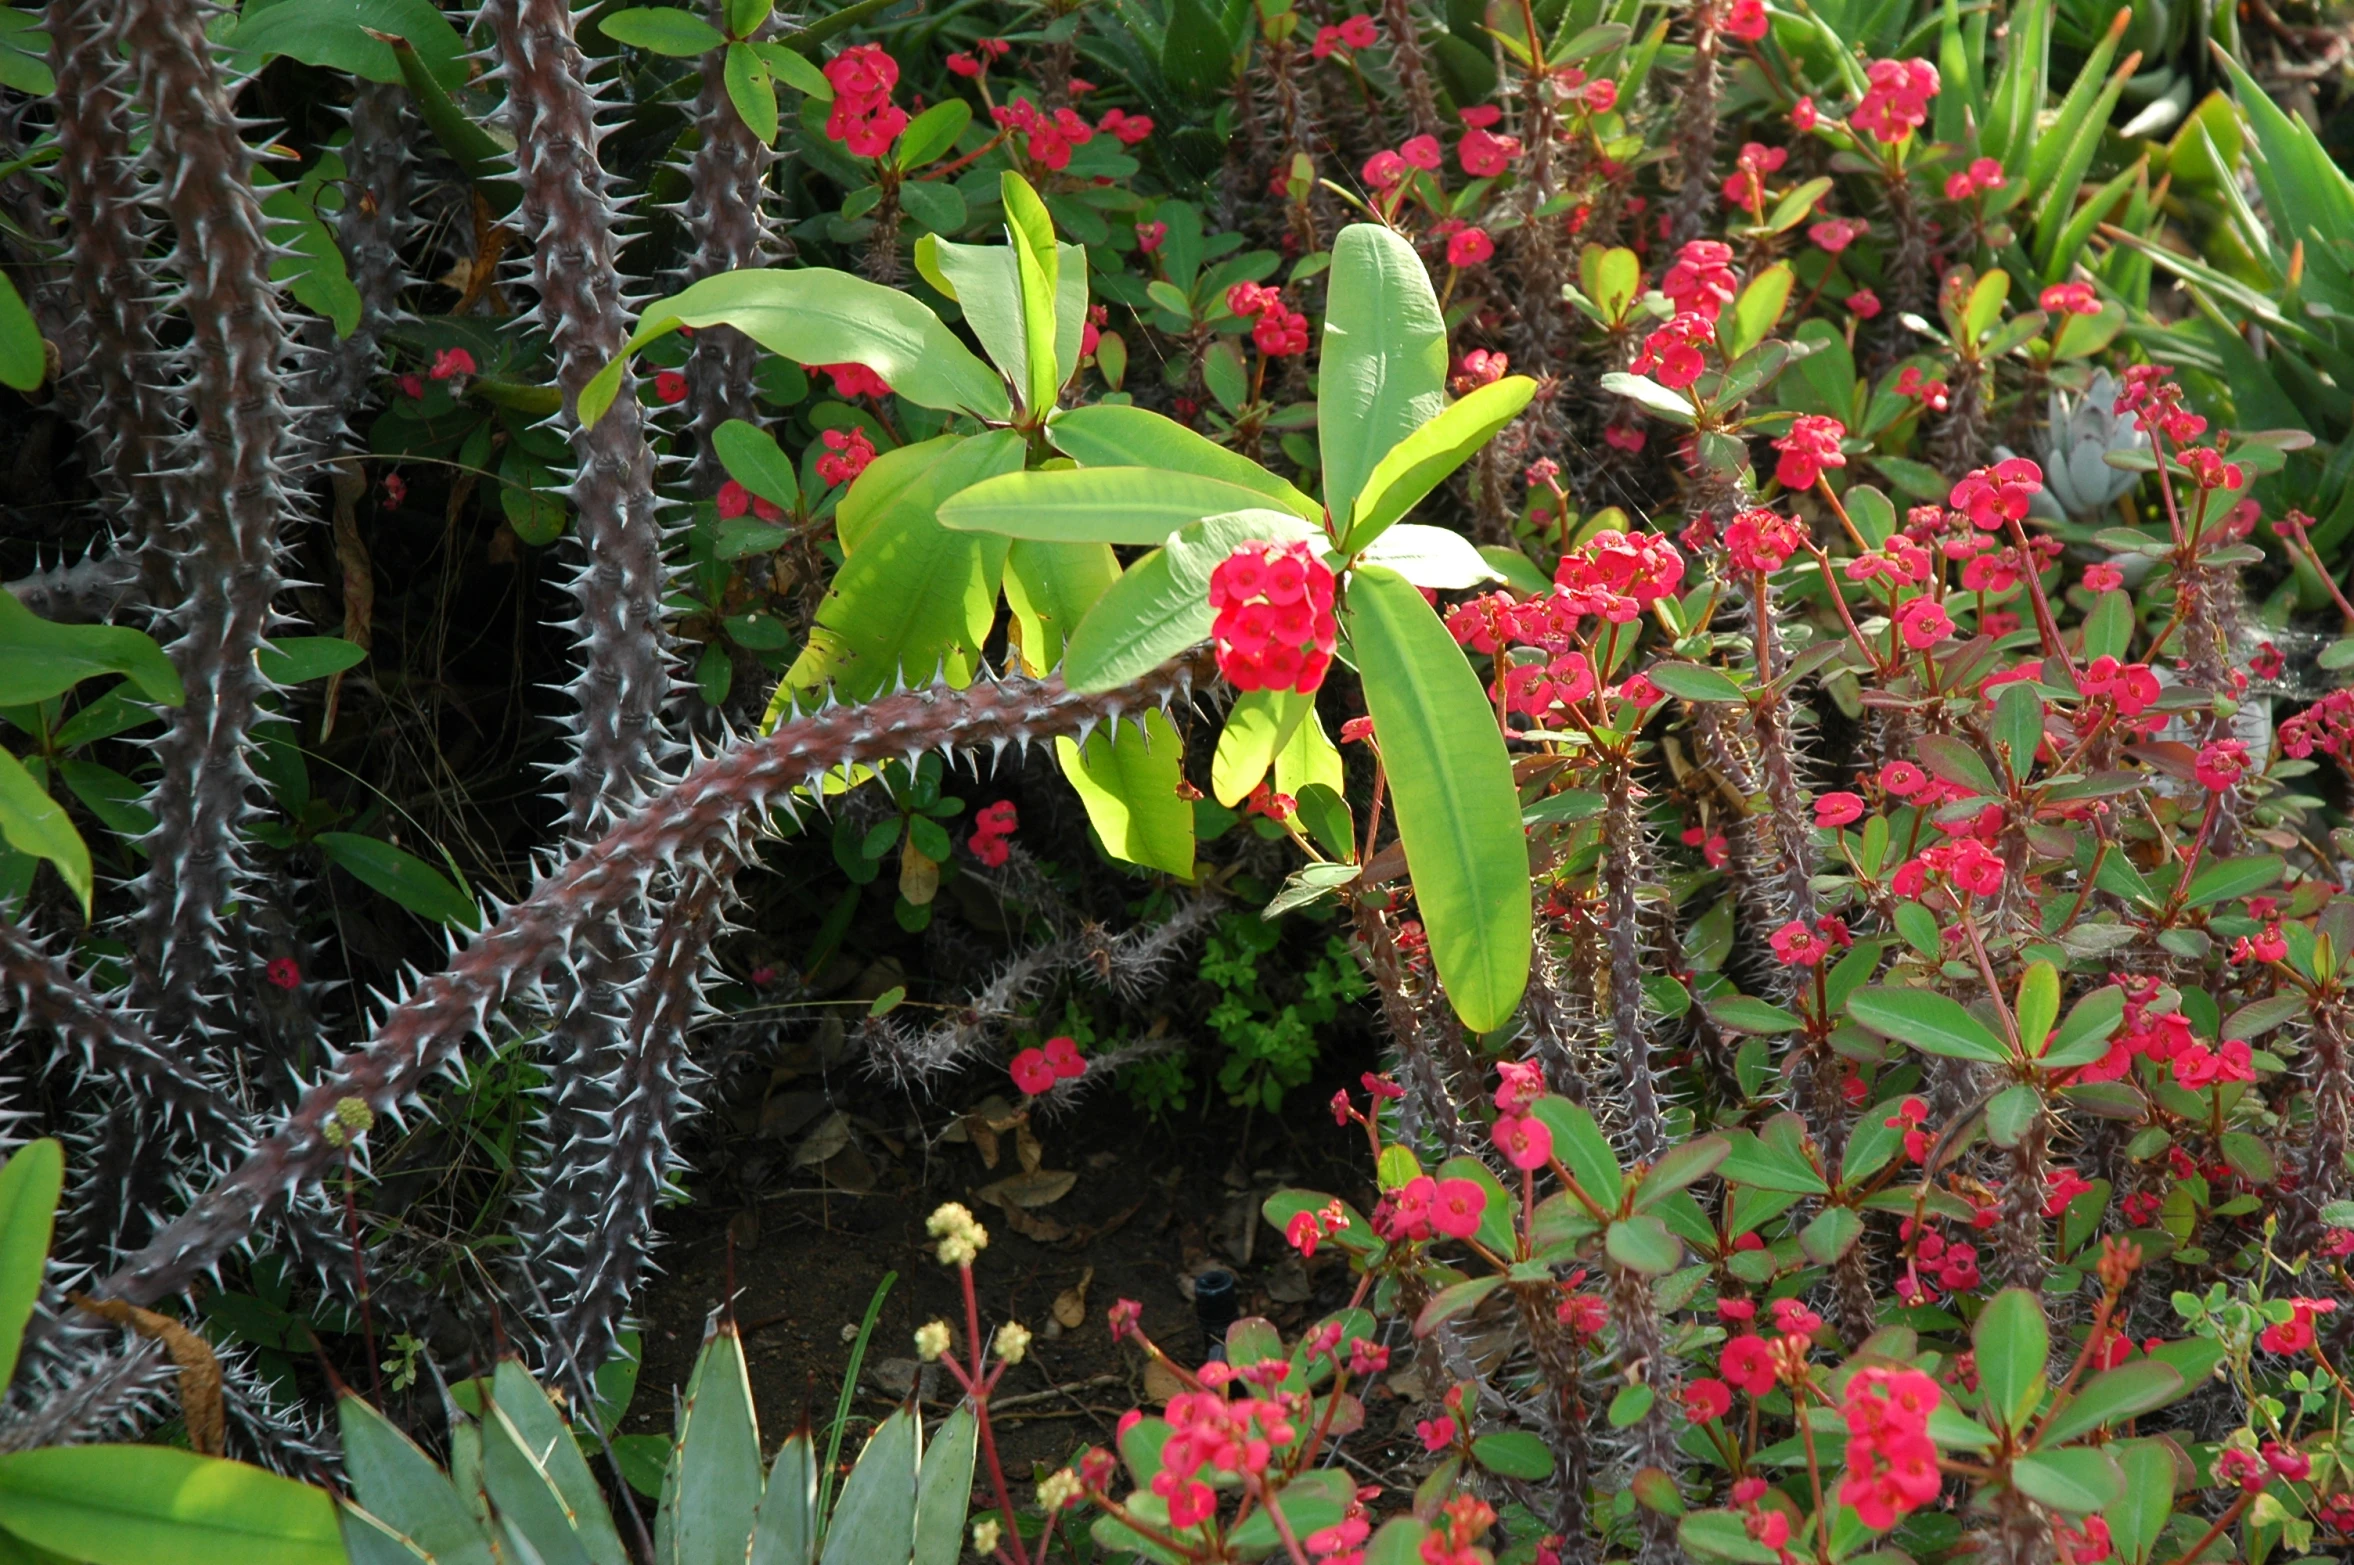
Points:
297	660
2234	878
875	1518
526	1503
1435	557
914	599
1118	505
1032	232
2084	1036
1111	435
786	1531
944	1490
29	1187
1582	1148
2079	1479
1458	812
662	30
1643	1244
142	1504
1127	778
716	1479
403	1492
1929	1022
341	35
1258	725
2113	1396
1684	1165
2138	1517
2012	1344
1384	372
1422	460
32	822
1049	587
1162	605
24	363
40	659
820	316
402	876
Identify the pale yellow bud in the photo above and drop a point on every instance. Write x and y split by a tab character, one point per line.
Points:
1013	1341
985	1533
961	1237
931	1340
1059	1490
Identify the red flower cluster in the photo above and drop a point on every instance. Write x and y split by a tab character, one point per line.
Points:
1748	21
1796	945
1384	169
863	117
734	500
2221	765
451	363
1281	332
1352	34
2295	1335
2327	725
852	381
1984	174
1424	1207
1047	138
1891	1462
1308	1229
1275	629
2150	394
1036	1070
2070	299
991	828
1991	496
1480	367
1955	1265
1896	99
977	63
1762	540
847	453
1463	1521
1671	355
1208	1430
1701	279
1469	247
1745	186
1967	865
1482	152
1811	446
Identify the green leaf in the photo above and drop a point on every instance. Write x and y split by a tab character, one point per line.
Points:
1454	1300
2138	1517
1643	1244
29	1186
750	91
40	659
1032	231
1117	505
2018	726
139	1504
24	362
2078	1479
2231	878
944	1489
1694	682
1684	1164
401	1491
1260	723
932	132
1438	558
1384	371
1127	777
1722	1535
2084	1036
2038	1004
753	458
1113	435
815	315
1422	460
1949	1425
1746	1014
663	30
1751	318
32	822
1646	393
2010	1114
2012	1344
1049	587
1832	1234
913	598
339	35
1513	1453
402	876
794	68
1458	811
1197	56
297	660
715	1479
1582	1148
1769	1165
786	1531
1929	1022
2111	1398
1161	606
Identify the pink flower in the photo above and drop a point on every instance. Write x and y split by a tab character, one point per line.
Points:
1863	304
1456	1207
1803	115
1480	367
1064	1058
1991	496
1385	169
1149	236
1837	809
1834	234
2070	299
1624	437
1762	540
1599	96
1275	628
1671	355
1437	1433
1748	20
452	362
1484	154
1748	1363
1469	247
283	973
1032	1073
1524	1141
849	451
2221	765
1423	152
670	386
396	488
854	380
966	65
1811	446
1125	128
1701	280
1902	779
1923	623
1897	100
1706	1401
1795	945
2103	578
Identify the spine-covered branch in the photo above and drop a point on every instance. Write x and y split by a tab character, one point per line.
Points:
686	826
228	494
624	670
368	231
1622	868
724	185
90	590
106	234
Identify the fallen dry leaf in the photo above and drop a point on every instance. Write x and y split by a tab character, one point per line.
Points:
1161	1382
831	1136
1043	1230
1070	1305
1027	1148
200	1372
1038	1187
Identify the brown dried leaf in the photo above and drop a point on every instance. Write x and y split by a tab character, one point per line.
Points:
831	1136
1070	1305
1027	1148
200	1372
1161	1382
850	1170
984	1138
1031	1226
1038	1187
